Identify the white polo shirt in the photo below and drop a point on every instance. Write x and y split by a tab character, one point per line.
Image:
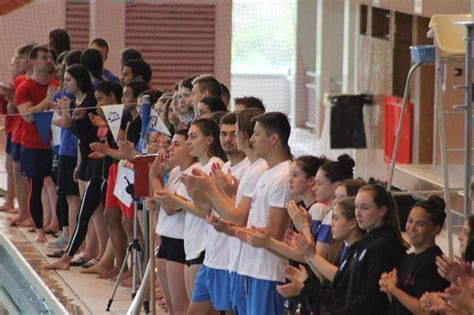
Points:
217	249
272	190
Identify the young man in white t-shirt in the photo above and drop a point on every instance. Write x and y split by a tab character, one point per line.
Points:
261	270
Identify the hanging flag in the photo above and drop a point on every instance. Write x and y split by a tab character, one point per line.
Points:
43	123
113	115
121	184
157	124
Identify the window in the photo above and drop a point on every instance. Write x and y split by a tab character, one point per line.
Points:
263	36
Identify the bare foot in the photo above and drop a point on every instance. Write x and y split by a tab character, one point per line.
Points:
127	283
109	274
6	207
27	223
12	211
52	228
13	219
158	294
96	269
127	274
64	263
40	238
161	300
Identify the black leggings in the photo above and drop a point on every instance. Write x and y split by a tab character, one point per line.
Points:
89	203
34	201
62	209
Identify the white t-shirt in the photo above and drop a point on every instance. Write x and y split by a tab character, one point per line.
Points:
217	249
272	190
195	228
247	185
172	225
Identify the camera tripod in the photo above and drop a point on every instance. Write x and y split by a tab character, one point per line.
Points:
133	249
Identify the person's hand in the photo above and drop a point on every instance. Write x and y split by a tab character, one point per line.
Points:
127	148
434	302
156	168
388	281
304	246
460	295
97	121
160	140
290	289
150	203
96	155
227	183
452	269
296	284
53	89
198	180
167	199
100	147
200	200
221	225
254	236
64	103
152	148
9	91
79	113
296	274
298	215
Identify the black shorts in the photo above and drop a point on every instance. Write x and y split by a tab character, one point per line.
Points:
196	261
66	183
36	163
16	152
172	249
8	143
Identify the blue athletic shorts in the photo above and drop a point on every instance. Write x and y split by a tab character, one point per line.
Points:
36	163
238	293
213	285
16	152
263	298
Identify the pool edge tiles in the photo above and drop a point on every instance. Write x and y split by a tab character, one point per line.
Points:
29	287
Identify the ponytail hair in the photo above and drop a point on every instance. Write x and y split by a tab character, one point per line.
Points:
310	164
383	198
339	170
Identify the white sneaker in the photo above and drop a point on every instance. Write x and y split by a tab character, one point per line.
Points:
60	242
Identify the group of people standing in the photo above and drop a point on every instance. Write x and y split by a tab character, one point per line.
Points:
242	225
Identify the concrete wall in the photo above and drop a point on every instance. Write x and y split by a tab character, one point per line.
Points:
108	22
